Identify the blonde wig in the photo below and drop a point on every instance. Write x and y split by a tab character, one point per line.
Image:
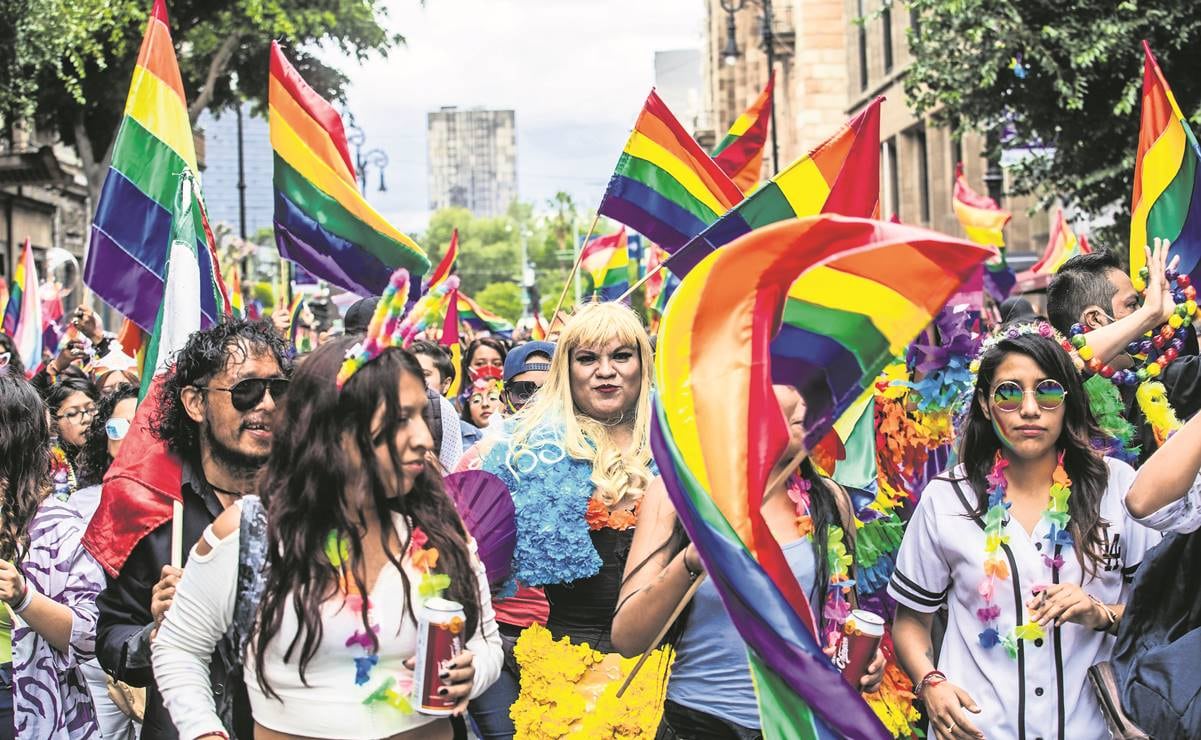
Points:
616	474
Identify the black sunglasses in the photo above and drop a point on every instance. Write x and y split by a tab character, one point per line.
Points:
520	392
246	394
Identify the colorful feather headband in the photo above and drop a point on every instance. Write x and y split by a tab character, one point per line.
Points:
388	329
1013	331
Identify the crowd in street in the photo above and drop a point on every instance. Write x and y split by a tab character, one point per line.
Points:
316	518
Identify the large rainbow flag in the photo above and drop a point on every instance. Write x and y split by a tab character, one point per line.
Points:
322	222
23	314
740	154
1167	190
131	232
605	265
841	175
665	186
851	293
480	318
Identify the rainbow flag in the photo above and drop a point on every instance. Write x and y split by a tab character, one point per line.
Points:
480	318
983	221
605	264
131	232
294	325
1062	245
447	263
1167	190
665	186
322	222
540	331
841	175
23	314
851	293
740	154
450	339
237	305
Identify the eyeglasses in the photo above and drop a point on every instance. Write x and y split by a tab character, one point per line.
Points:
518	393
5	358
246	394
1048	394
79	415
116	429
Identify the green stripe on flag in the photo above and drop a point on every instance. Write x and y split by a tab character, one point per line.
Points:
658	179
767	206
152	166
854	331
782	714
1166	217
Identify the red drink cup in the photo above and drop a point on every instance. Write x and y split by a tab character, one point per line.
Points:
857	647
439	641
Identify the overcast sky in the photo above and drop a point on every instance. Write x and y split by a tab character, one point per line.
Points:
575	71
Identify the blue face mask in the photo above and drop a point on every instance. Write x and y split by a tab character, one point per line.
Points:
116	429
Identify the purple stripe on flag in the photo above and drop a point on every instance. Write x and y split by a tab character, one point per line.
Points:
297	250
327	255
642	209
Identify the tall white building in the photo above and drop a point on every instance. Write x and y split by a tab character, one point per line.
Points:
472	159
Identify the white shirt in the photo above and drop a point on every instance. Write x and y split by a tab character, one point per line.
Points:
1182	515
331	705
1045	692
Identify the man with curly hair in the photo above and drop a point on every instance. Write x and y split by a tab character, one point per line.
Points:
214	410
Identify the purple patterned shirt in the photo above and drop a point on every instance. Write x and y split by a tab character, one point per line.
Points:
51	699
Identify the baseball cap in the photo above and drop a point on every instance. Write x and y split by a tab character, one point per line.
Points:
358	316
517	361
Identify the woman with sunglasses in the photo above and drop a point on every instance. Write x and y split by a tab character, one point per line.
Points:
114	412
1027	545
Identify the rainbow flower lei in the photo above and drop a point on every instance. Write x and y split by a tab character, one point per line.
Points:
1057	517
393	690
838	561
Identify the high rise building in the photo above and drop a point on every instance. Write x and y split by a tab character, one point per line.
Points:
220	176
472	159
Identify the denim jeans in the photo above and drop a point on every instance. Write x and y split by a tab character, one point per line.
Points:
490	710
8	724
685	723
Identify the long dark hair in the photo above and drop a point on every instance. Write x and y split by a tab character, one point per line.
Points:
308	487
24	462
823	510
476	343
70	381
979	445
94	459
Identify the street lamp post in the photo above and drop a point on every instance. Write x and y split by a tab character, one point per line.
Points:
767	36
371	158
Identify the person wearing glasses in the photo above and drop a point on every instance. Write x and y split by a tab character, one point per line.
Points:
110	424
1027	545
71	399
526	368
215	408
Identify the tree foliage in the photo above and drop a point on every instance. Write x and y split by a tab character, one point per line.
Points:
1061	78
502	298
70	63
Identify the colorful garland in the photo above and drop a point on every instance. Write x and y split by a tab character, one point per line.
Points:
600	517
1057	517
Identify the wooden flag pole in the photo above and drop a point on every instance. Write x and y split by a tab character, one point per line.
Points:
642	282
575	267
687	597
177	534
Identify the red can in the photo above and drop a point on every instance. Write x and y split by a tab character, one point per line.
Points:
857	646
439	641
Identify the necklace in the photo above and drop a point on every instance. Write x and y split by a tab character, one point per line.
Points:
836	608
1057	517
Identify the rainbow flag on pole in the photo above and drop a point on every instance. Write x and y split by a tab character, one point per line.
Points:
23	315
983	221
1167	190
1062	245
740	154
447	264
131	232
605	264
851	294
322	222
841	175
450	339
665	186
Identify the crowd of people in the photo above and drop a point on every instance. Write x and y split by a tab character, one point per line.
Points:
315	522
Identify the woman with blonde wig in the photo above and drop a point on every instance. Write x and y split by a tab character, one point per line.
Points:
577	460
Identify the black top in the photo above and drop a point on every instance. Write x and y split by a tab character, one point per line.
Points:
583	609
1182	380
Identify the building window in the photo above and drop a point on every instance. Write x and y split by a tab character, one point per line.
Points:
886	21
892	179
862	21
923	172
915	22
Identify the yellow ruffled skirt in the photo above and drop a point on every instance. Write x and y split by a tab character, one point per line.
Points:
571	690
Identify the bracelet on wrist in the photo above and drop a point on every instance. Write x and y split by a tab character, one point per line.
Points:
1109	615
933	678
26	599
692	574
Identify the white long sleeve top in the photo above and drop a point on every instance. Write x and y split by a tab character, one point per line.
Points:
332	704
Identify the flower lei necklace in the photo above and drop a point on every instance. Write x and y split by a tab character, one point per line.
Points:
393	690
837	607
1057	517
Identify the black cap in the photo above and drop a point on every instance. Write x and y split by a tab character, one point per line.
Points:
358	316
